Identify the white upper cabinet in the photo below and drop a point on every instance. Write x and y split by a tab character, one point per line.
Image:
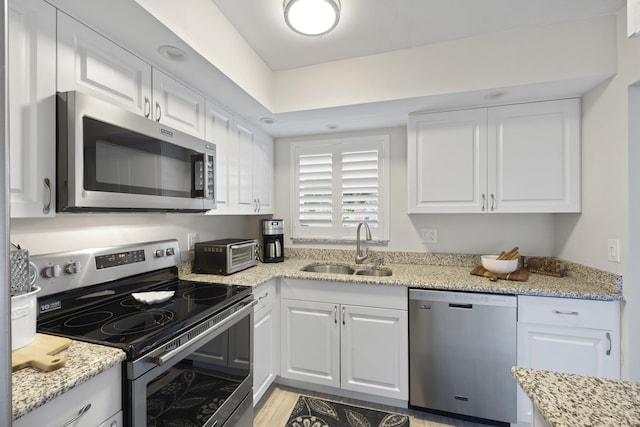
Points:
90	63
244	164
178	106
263	173
534	157
219	130
447	161
32	108
514	158
250	171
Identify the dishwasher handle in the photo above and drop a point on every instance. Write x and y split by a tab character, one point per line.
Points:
463	306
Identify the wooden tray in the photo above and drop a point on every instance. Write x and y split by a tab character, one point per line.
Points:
520	275
40	353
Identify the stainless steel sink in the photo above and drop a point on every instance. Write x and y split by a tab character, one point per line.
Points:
328	268
375	272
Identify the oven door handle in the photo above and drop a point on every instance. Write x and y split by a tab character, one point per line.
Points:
165	357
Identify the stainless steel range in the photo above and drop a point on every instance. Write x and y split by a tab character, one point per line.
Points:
188	344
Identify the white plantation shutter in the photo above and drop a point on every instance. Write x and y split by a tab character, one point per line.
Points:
315	190
360	197
338	184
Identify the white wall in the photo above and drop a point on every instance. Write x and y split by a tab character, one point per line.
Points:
71	231
462	233
531	56
607	191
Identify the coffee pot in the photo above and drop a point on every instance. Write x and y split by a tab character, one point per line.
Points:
272	240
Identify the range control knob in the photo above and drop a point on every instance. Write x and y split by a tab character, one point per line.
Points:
52	271
171	252
73	268
160	253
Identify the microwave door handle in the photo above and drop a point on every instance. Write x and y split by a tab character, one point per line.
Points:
199	170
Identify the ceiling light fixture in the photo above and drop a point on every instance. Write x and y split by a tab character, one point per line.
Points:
311	17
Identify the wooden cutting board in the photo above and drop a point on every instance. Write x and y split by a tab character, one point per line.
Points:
40	353
519	275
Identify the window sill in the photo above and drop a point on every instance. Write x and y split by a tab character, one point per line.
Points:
337	241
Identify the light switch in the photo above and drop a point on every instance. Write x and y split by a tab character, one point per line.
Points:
613	250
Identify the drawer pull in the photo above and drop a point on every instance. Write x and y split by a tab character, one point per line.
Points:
266	294
461	398
609	344
80	413
568	313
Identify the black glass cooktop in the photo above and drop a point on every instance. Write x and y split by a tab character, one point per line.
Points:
108	314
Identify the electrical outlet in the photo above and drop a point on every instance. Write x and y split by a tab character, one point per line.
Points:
613	250
430	235
192	238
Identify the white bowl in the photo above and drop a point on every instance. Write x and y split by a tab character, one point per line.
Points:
499	266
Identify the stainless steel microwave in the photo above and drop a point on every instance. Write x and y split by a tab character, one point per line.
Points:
111	159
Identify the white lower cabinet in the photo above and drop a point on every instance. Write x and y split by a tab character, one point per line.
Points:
100	398
266	339
567	335
349	336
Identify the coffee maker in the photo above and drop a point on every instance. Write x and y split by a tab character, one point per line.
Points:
272	240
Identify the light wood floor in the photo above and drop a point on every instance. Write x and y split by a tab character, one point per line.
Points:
275	410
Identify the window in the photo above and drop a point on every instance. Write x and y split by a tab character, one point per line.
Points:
338	184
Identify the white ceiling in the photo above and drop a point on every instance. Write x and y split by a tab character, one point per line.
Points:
373	26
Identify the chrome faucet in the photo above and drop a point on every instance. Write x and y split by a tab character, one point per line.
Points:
360	258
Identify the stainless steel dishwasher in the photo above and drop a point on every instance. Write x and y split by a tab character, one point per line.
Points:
461	348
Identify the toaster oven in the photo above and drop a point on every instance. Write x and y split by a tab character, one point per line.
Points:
225	256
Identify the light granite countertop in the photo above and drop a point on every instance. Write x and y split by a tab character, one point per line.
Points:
31	387
434	271
442	277
566	400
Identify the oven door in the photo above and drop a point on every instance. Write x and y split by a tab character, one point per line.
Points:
209	383
112	159
241	255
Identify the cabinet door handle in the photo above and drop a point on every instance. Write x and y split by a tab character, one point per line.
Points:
335	314
47	206
344	321
568	313
80	413
147	107
493	202
259	205
484	201
608	335
158	111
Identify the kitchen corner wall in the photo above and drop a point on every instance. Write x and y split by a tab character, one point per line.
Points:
70	231
457	233
609	189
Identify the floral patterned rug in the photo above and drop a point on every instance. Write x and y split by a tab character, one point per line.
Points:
312	412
